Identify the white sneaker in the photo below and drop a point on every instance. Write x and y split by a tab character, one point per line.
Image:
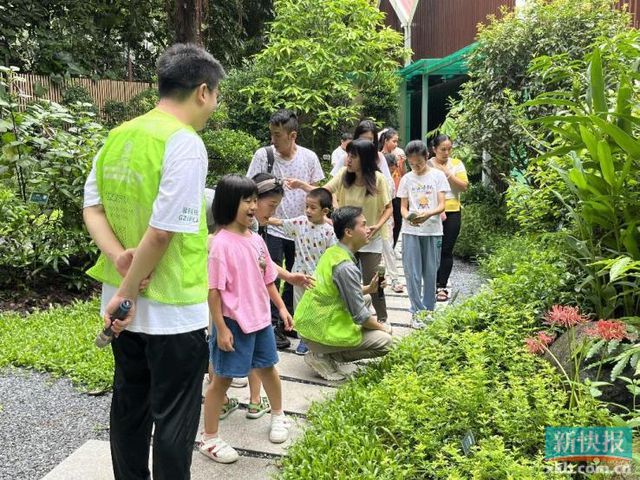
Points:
421	320
239	382
417	324
279	429
218	450
323	366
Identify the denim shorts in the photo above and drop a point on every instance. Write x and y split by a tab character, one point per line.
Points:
251	350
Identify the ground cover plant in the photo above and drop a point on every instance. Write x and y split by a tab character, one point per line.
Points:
469	372
60	341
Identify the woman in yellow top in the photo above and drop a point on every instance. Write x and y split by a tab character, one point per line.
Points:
456	174
360	184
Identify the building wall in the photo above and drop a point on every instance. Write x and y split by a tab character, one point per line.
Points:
633	6
441	27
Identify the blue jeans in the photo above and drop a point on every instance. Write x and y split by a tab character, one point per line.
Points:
420	260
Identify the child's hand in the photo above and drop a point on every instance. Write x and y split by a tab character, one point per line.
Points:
286	318
224	338
420	218
301	280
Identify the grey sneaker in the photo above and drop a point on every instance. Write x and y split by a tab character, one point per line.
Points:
325	367
416	322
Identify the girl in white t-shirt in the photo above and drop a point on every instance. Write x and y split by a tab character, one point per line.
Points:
422	194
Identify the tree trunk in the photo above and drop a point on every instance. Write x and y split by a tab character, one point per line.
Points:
189	21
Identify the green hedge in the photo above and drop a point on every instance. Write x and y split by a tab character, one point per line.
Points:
406	416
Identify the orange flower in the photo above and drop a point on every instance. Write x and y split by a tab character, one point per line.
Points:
564	316
536	345
608	330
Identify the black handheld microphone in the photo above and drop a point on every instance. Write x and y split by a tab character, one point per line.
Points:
105	336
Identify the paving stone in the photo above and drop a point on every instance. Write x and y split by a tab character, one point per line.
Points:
293	366
93	461
248	434
297	396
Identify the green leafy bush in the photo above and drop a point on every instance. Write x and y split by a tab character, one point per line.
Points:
229	152
142	102
483	222
59	341
46	150
321	60
405	417
78	94
501	79
115	112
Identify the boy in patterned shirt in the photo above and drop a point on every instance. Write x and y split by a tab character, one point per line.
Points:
312	234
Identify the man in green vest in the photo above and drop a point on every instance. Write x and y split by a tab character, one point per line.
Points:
334	317
144	208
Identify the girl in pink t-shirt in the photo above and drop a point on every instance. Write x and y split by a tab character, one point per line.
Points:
241	283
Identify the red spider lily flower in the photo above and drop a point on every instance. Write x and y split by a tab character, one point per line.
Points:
536	345
608	330
564	316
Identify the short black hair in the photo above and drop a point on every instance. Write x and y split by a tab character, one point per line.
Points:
183	67
231	190
346	136
416	147
343	218
286	119
391	159
323	196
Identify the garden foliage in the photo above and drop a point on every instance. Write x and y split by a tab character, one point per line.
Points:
501	78
47	149
332	62
468	372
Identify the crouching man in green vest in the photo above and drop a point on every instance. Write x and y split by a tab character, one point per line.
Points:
334	317
144	208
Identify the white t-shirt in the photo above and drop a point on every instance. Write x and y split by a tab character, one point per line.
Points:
311	242
184	171
304	166
422	192
338	155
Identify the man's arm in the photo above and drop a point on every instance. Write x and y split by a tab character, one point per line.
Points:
96	221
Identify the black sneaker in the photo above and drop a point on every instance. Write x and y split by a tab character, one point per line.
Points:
282	342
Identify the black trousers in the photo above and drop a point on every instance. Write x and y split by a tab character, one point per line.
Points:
450	232
157	380
280	249
397	219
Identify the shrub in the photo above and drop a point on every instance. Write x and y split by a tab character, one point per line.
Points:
483	222
46	150
500	78
229	152
114	113
142	102
405	416
78	94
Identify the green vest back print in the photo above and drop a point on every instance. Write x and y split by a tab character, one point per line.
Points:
128	173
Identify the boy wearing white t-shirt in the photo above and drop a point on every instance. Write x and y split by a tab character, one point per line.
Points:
422	194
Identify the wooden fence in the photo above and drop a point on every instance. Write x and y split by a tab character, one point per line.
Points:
100	90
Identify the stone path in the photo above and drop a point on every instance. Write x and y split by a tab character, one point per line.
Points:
259	457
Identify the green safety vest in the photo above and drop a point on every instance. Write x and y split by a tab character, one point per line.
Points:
322	316
128	171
